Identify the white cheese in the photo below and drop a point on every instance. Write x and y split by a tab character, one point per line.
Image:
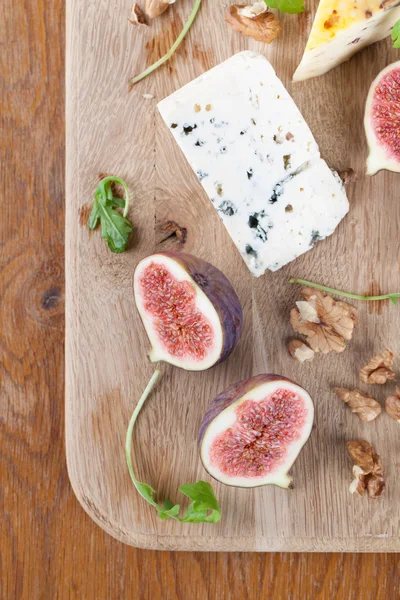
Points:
257	159
340	29
309	208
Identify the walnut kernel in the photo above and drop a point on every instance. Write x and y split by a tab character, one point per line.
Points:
137	16
325	322
365	406
252	11
358	484
375	486
261	25
308	311
378	370
155	8
300	351
368	474
392	405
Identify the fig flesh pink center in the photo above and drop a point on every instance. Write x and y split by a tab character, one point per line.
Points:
182	329
385	113
257	443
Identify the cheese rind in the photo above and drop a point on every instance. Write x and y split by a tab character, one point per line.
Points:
257	159
340	29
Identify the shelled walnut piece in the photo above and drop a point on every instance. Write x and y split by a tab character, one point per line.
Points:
255	21
365	406
325	322
378	370
155	8
367	470
137	16
392	405
299	350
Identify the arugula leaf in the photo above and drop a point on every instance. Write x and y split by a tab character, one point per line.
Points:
203	500
329	290
204	507
396	35
94	215
116	202
287	6
115	228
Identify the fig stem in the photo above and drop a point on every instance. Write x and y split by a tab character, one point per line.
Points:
128	440
324	288
171	51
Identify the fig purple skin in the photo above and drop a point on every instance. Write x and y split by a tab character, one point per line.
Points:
223	299
221	294
233	394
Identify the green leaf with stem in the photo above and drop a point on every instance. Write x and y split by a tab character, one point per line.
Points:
204	506
115	228
396	35
171	51
393	297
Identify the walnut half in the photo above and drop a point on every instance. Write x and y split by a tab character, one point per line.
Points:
367	470
325	322
392	405
254	21
365	406
378	370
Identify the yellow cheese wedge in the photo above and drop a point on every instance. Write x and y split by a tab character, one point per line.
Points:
341	28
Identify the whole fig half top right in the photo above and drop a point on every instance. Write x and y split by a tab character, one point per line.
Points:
382	121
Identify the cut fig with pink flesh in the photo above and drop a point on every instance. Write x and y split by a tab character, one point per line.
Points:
253	432
382	121
190	311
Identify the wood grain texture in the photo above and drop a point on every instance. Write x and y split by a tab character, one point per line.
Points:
106	365
49	547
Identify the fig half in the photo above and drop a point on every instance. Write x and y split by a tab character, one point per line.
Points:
382	121
253	432
190	311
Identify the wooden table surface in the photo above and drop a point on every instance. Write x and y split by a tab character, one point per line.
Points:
49	548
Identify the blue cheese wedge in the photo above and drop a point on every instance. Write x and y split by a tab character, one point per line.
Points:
257	160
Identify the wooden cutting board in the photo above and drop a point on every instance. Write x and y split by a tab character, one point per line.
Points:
115	132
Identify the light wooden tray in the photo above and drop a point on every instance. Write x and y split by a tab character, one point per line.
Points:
114	132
